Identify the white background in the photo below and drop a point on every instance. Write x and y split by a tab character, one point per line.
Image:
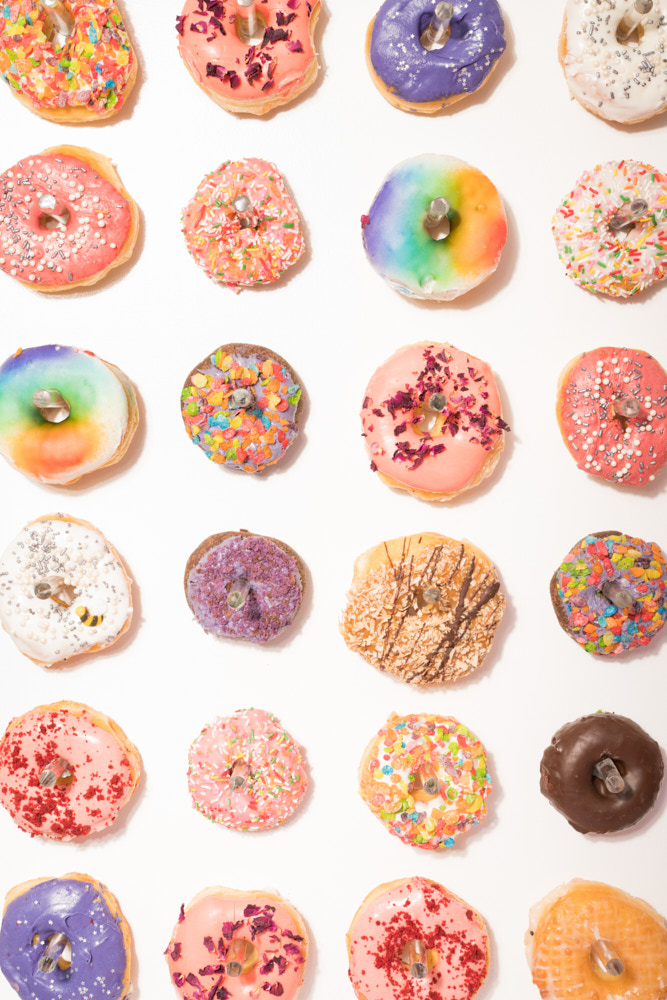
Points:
336	321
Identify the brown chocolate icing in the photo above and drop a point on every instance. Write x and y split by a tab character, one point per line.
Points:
568	781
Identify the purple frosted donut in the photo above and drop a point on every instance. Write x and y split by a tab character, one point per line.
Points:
65	938
244	586
415	78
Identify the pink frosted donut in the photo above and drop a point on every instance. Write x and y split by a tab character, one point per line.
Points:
101	774
432	422
90	227
246	772
237	946
413	939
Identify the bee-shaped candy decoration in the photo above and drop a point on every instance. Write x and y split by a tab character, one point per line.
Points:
87	618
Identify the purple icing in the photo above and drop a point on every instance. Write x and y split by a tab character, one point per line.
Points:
275	588
75	909
476	42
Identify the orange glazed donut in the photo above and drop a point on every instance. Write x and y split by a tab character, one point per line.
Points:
70	61
589	940
249	56
65	219
66	770
413	939
237	945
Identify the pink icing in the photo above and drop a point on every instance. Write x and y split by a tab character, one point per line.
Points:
272	789
103	775
219	61
198	950
448	457
417	909
94	235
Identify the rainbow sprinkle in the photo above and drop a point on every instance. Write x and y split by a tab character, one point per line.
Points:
90	70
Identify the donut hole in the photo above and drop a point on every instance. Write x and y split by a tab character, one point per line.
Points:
65	960
602	789
427	422
634	40
432	957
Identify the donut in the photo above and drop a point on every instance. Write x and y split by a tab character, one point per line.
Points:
65	219
244	586
241	226
66	770
424	69
611	229
64	413
246	772
588	939
65	937
602	772
237	945
609	592
612	409
431	420
436	228
424	608
70	61
242	407
425	777
250	58
413	938
63	590
612	70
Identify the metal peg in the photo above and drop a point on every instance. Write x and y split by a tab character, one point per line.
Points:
633	18
53	772
605	959
607	772
626	216
626	406
242	955
52	405
436	221
250	24
241	399
59	25
617	594
55	212
436	33
418	959
238	592
52	953
239	774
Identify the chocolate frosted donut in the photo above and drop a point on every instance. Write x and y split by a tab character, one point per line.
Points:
579	780
244	586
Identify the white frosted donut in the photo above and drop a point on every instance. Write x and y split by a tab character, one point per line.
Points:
620	81
63	590
601	258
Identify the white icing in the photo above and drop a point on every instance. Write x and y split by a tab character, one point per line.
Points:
622	82
77	553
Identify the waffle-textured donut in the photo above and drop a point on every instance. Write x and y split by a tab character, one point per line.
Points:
246	772
87	78
259	931
453	937
256	435
434	455
100	230
103	413
227	250
424	608
598	258
599	562
568	780
565	925
104	770
625	448
414	78
77	922
394	778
